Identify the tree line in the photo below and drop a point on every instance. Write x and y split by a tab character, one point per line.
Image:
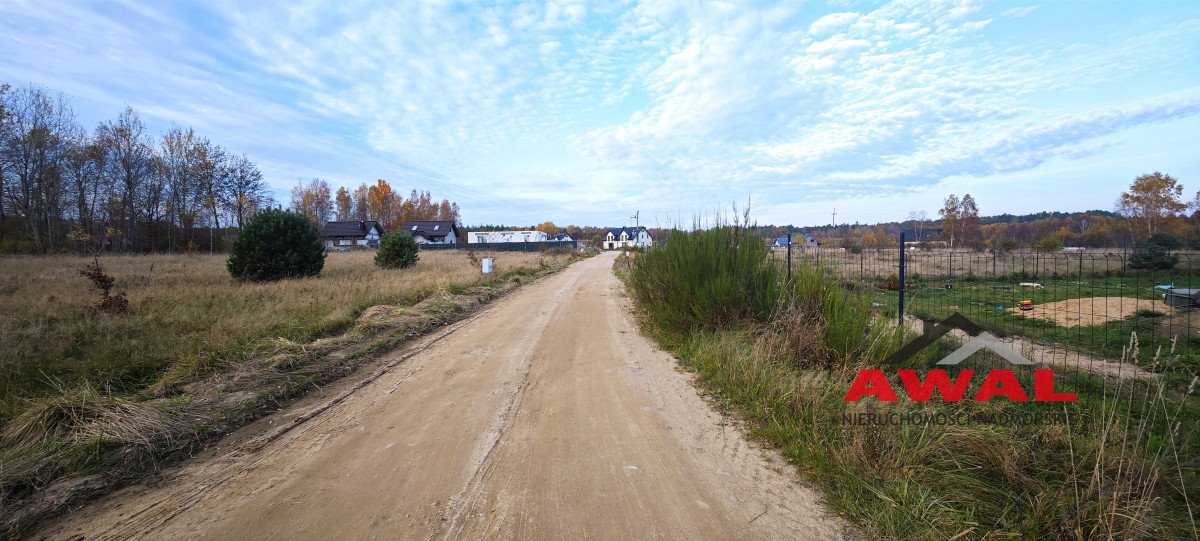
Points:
378	202
1152	206
116	186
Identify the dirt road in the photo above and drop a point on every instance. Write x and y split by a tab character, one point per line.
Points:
546	416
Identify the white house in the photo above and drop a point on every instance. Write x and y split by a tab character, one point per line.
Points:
433	231
348	234
804	240
633	237
476	237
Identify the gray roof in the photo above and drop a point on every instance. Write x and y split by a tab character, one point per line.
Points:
431	229
349	229
630	231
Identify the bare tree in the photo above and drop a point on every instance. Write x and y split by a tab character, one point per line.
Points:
33	149
244	190
917	219
130	164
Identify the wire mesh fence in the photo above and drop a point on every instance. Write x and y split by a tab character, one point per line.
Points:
1078	308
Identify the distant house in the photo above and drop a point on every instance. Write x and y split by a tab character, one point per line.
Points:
433	231
348	234
799	240
633	237
563	237
476	237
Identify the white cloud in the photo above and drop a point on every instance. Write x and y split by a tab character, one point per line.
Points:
672	104
1020	11
830	23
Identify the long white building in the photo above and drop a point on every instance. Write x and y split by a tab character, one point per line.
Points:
476	237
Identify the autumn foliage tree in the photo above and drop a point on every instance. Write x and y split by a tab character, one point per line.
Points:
342	204
382	203
313	200
1151	199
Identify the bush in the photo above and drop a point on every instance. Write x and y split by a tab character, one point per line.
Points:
707	279
1152	257
276	244
1048	243
397	250
1166	240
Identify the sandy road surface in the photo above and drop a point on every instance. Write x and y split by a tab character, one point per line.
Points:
546	416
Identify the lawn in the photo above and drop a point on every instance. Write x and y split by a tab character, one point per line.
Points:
1135	306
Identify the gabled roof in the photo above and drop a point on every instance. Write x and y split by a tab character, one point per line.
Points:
631	232
349	229
781	241
431	229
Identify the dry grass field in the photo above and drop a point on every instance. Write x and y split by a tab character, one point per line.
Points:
187	306
91	400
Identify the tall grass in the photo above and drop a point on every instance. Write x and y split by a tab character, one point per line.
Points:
708	279
187	312
1124	466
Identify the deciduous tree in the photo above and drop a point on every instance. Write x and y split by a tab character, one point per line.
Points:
343	204
950	219
1150	199
313	200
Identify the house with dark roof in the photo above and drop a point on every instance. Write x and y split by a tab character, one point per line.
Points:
632	237
799	240
433	231
348	234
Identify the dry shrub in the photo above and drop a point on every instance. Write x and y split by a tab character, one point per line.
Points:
891	283
109	303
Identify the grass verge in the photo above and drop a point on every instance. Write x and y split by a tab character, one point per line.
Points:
1121	463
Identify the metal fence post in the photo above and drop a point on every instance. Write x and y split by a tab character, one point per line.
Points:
789	248
900	310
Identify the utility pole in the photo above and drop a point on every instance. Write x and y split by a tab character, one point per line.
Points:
835	217
636	222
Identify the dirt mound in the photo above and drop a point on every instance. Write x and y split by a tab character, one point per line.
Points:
1091	310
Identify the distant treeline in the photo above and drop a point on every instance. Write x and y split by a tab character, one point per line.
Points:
115	187
118	188
1152	205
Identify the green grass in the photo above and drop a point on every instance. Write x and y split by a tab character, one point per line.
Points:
978	301
1125	467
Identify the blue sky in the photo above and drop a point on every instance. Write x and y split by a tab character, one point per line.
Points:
583	112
